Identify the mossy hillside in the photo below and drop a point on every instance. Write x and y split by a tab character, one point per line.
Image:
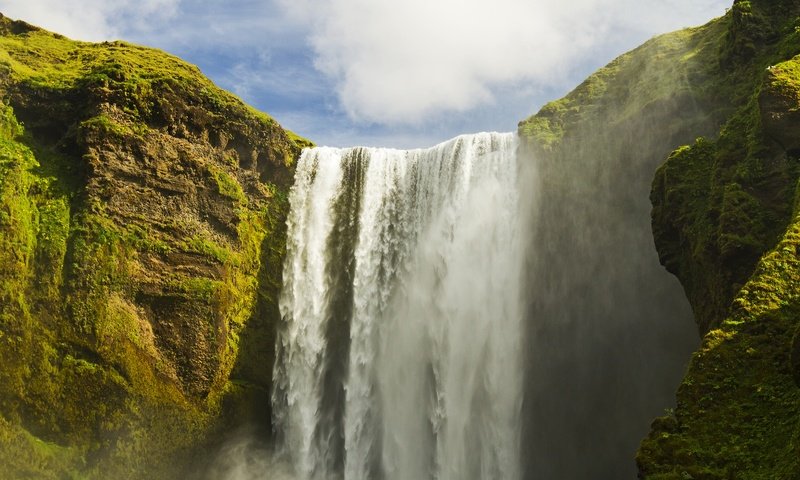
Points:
709	70
597	279
738	413
71	393
718	205
667	68
725	220
141	203
135	78
26	456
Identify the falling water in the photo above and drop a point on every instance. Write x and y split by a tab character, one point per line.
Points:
400	354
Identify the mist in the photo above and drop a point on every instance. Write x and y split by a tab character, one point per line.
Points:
248	455
609	331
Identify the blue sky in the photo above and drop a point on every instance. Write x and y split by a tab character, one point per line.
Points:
403	74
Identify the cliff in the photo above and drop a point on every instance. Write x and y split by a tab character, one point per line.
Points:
142	217
609	333
724	220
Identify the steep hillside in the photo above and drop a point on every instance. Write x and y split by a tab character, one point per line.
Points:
722	219
142	216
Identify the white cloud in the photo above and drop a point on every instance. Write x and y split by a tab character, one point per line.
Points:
91	19
398	62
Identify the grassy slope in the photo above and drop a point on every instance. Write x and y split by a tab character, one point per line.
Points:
664	68
86	390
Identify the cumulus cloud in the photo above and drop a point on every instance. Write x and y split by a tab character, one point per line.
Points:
91	19
397	62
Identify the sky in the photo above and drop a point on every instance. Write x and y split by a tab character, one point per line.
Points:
392	73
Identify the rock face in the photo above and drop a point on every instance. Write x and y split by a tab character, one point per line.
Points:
142	216
724	221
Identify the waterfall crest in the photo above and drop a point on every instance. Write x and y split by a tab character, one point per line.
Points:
400	352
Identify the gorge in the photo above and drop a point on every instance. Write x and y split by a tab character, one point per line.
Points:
175	266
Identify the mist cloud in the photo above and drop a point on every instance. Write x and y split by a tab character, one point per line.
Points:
402	61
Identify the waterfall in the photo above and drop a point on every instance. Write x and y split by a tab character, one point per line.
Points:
399	356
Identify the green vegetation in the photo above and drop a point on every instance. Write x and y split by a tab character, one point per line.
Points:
738	407
632	84
210	248
717	206
129	73
227	185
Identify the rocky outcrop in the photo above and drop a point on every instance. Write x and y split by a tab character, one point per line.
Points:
142	218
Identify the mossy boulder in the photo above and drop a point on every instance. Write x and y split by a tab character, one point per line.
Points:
142	233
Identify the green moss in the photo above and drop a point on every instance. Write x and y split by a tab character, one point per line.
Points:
51	247
630	85
130	73
786	79
226	184
738	406
107	127
25	456
718	205
256	335
50	390
212	249
17	246
143	239
299	141
197	287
